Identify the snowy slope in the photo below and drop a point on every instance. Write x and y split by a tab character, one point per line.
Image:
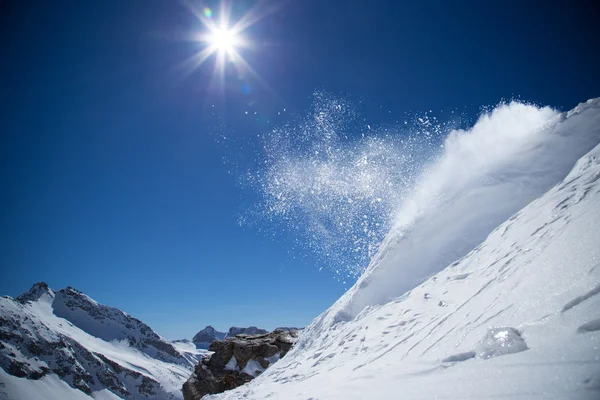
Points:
189	350
448	310
65	345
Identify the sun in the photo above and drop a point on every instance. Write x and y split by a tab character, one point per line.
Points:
223	39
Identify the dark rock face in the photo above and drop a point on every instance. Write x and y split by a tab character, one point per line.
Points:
36	291
237	360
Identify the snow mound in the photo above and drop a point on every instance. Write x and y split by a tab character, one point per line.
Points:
447	293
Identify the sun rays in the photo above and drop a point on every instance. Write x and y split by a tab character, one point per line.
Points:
225	40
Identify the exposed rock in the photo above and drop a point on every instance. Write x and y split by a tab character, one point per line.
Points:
237	360
37	290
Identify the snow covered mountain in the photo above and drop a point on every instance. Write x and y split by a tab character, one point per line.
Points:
64	345
488	286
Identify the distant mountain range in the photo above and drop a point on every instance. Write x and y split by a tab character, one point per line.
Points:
206	336
65	345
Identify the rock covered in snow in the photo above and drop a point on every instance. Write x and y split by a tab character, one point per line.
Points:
236	360
108	323
38	290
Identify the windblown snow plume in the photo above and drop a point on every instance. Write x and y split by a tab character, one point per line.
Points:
341	185
335	181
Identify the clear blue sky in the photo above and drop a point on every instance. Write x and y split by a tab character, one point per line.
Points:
113	183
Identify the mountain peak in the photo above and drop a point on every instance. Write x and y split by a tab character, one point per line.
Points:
206	336
251	330
37	290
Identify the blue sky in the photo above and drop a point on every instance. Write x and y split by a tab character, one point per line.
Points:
113	181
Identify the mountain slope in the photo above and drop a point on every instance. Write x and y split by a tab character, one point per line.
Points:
517	317
65	345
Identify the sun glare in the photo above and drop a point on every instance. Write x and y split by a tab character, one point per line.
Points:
223	39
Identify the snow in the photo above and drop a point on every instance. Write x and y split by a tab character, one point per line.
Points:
48	388
487	287
510	157
105	395
231	364
190	351
273	359
253	368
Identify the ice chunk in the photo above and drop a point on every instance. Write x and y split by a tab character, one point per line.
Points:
499	342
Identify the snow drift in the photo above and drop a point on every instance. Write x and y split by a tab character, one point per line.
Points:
451	307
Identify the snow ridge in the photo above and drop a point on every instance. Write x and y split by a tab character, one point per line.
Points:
511	156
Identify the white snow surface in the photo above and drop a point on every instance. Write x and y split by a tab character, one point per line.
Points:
451	308
189	350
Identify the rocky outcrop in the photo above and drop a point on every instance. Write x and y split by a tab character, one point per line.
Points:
237	360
